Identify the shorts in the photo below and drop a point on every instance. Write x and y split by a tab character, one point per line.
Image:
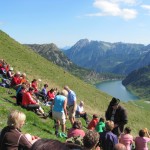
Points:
59	116
70	114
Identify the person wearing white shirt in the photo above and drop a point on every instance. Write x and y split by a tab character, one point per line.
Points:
81	113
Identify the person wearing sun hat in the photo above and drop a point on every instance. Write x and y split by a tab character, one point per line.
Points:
116	113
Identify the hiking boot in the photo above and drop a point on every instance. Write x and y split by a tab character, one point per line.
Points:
45	116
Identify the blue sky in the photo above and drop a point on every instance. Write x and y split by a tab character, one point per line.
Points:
64	22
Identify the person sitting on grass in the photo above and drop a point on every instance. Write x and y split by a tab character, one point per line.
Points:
126	138
76	130
44	92
30	104
16	81
90	140
81	113
100	127
19	95
11	136
141	141
93	123
51	95
108	139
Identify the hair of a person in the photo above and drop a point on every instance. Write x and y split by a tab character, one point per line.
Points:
95	116
142	133
24	74
120	146
45	144
109	125
127	129
23	86
77	124
34	80
81	102
90	139
15	118
45	85
101	119
52	90
66	87
31	88
64	92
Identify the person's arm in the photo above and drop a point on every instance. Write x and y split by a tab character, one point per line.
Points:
147	133
74	106
65	110
31	100
53	102
124	118
24	142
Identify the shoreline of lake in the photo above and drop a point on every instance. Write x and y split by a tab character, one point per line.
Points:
116	89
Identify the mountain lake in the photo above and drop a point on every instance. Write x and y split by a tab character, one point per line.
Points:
116	89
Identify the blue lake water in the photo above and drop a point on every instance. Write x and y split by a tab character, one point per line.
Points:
116	89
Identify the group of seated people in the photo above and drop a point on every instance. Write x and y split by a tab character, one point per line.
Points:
99	132
11	137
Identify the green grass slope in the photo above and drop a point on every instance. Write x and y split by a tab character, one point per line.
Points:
35	66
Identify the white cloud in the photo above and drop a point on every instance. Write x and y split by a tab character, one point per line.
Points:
129	14
146	6
113	8
124	1
107	7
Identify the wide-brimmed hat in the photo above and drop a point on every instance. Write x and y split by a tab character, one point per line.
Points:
11	69
114	101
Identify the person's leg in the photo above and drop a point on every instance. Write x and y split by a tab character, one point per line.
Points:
62	122
41	110
63	127
85	117
56	122
71	115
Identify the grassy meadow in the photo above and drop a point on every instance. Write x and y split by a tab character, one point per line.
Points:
25	60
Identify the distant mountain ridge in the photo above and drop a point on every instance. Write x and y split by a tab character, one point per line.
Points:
120	58
52	53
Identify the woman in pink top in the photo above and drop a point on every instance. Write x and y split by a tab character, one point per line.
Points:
126	138
76	130
141	141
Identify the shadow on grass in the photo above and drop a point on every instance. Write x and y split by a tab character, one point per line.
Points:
45	130
7	100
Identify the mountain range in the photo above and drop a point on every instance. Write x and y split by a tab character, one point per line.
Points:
100	56
52	53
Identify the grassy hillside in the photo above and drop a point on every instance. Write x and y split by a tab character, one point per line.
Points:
35	66
139	82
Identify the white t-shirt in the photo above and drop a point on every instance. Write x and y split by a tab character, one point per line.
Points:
80	108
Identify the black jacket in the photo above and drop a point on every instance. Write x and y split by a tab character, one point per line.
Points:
120	117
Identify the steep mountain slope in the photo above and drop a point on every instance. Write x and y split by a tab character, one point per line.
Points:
107	57
139	81
54	54
25	60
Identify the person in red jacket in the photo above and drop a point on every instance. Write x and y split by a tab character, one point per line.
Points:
16	80
29	103
93	122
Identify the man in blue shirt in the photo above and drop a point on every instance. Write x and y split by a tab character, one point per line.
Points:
71	104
